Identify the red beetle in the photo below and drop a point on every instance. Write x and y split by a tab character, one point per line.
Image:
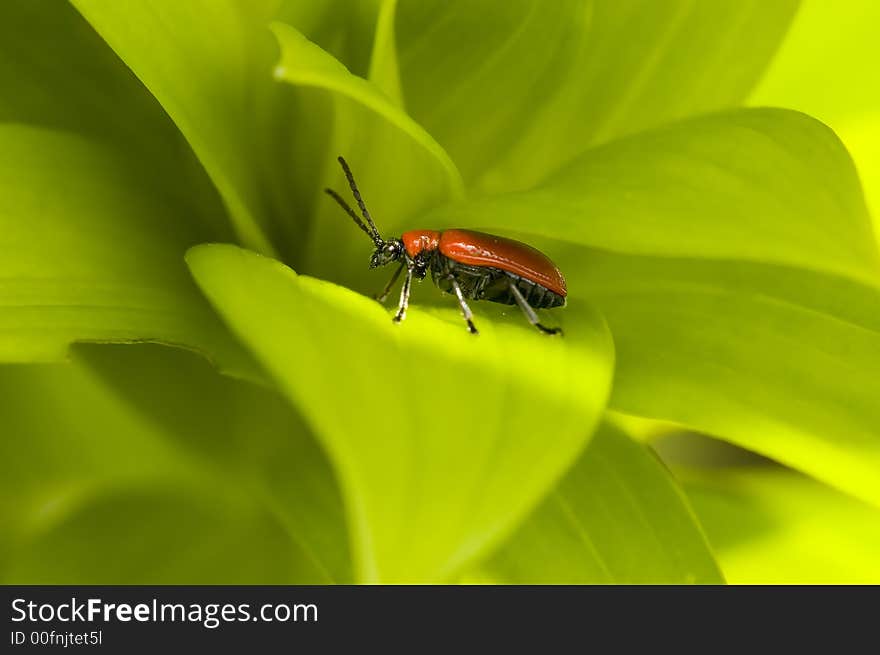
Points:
469	264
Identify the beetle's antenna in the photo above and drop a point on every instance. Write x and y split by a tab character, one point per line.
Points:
360	201
354	217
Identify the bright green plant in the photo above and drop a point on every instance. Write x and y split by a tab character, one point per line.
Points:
161	172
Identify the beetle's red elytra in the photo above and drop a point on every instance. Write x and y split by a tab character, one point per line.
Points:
481	249
470	265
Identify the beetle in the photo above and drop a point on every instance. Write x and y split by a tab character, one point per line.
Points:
471	265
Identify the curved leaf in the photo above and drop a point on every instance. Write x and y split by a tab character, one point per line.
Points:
92	252
384	70
344	28
440	439
244	437
305	64
399	167
206	75
776	527
516	89
618	517
170	483
763	185
78	84
781	361
710	330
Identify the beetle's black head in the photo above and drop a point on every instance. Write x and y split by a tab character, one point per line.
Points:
386	252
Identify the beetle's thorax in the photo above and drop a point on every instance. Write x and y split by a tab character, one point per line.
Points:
417	242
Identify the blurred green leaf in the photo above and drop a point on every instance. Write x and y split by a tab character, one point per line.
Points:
384	67
781	360
516	89
164	534
776	527
827	67
399	167
778	360
56	72
132	477
92	252
441	440
618	516
246	436
214	57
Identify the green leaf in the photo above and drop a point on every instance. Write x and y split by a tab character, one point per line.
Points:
344	28
776	527
243	435
732	317
780	361
131	477
305	64
618	517
514	90
441	440
384	70
399	167
763	185
79	85
207	75
114	536
92	251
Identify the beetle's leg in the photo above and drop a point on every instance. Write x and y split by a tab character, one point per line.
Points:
382	297
404	296
465	310
529	312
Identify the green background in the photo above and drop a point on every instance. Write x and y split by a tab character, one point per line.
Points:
197	388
